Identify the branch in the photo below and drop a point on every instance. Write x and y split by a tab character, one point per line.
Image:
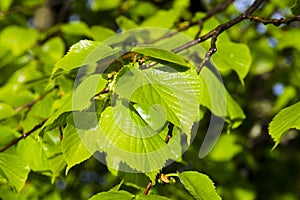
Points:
25	135
274	21
29	105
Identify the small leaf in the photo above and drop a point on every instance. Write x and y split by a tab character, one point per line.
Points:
120	195
232	56
199	185
83	53
100	33
6	111
225	149
18	39
163	55
286	119
125	23
105	4
117	187
15	170
163	19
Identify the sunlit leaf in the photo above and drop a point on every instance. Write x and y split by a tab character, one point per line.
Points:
15	169
199	185
6	111
232	56
177	93
18	39
286	119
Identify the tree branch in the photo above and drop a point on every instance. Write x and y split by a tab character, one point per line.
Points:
274	21
25	135
30	104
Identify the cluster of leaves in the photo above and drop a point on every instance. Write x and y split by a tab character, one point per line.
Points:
49	125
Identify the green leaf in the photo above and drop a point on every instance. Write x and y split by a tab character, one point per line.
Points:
6	111
232	56
163	55
125	23
15	170
163	19
82	95
36	159
100	33
225	149
127	138
76	28
77	146
199	185
83	53
4	5
105	4
286	119
117	187
219	101
120	195
177	93
18	39
284	43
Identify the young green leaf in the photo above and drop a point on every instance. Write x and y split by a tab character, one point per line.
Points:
83	53
286	119
199	185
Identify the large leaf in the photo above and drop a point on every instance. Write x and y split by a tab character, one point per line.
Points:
18	39
15	169
232	56
83	53
286	119
199	185
6	111
163	55
120	195
126	137
177	93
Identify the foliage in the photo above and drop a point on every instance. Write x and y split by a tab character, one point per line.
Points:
149	99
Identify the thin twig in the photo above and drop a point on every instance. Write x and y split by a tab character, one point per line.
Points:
30	104
274	21
25	135
148	188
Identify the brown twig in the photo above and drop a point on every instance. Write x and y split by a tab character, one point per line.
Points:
25	135
274	21
148	188
30	104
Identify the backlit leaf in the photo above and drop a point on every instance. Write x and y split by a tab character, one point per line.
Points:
286	119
